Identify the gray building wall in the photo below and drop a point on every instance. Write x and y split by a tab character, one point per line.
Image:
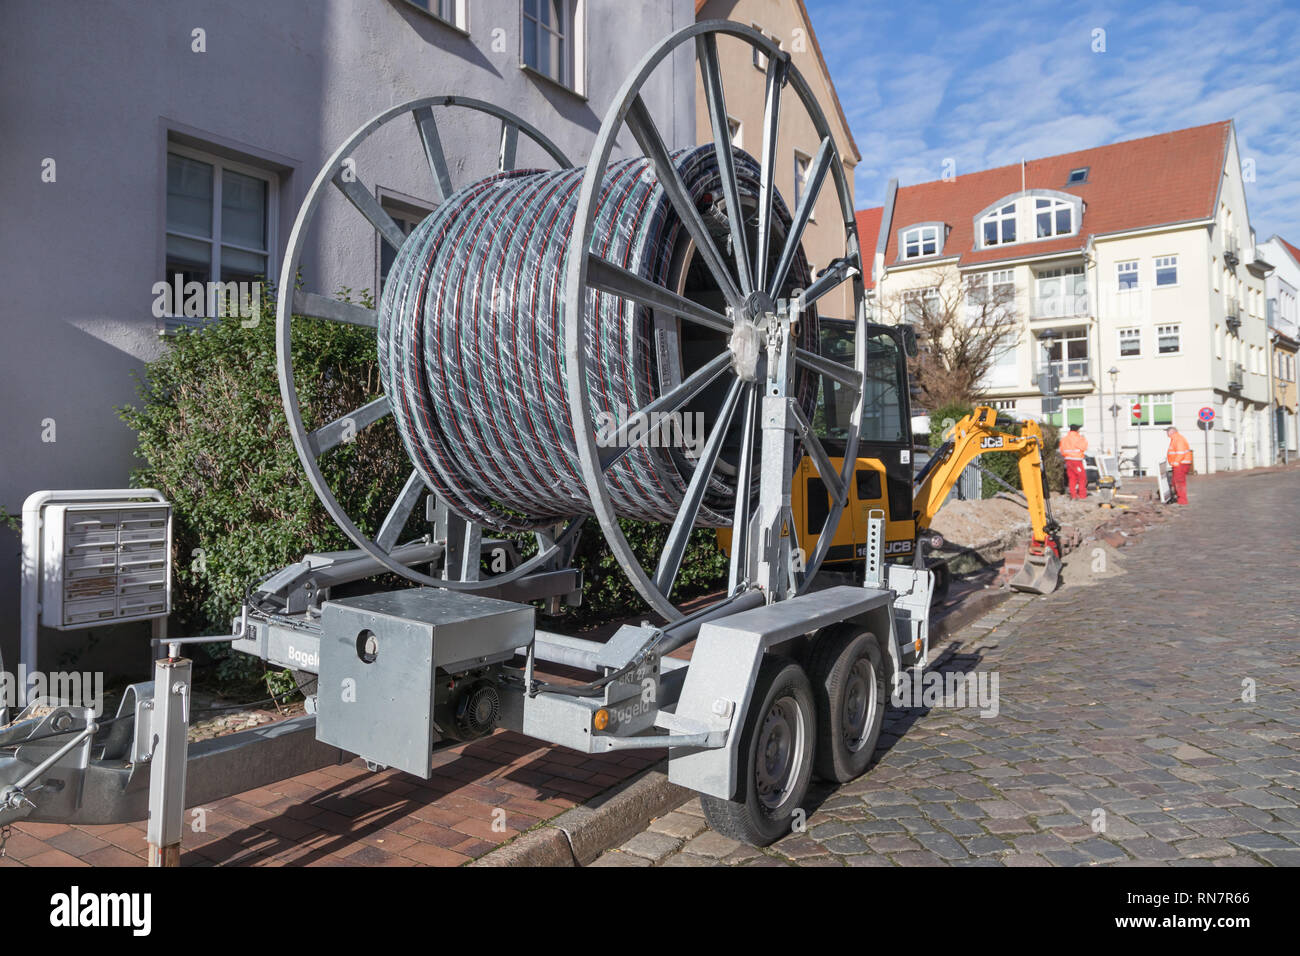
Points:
103	88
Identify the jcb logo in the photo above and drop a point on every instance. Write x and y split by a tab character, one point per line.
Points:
991	442
898	547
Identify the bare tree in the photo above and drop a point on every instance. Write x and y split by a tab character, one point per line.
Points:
963	326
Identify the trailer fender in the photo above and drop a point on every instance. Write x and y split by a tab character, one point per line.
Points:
725	663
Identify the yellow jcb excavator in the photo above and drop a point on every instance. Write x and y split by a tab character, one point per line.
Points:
884	481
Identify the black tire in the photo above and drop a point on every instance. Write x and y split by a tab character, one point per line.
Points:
851	686
758	816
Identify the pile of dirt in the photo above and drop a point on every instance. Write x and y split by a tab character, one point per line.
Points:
970	524
1090	564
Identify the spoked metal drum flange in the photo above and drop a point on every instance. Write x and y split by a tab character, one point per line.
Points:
751	287
312	445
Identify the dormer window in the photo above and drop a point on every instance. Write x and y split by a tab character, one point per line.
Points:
1055	217
917	242
999	226
1078	177
1029	216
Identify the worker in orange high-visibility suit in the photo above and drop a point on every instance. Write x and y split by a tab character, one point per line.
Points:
1072	446
1179	457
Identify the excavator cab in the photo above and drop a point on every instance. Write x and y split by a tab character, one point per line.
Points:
882	481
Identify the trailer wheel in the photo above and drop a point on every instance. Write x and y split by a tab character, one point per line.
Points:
850	685
776	750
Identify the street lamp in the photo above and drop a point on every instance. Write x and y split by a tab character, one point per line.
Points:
1113	372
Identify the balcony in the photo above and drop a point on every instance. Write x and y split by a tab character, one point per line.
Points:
1236	377
1072	371
1059	306
1233	317
1231	253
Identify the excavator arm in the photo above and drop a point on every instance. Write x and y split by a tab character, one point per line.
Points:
978	434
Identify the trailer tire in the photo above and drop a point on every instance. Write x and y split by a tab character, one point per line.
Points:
851	687
776	753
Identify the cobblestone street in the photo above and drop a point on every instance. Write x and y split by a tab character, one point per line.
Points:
1149	719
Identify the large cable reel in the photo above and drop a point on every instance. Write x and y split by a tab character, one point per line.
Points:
642	282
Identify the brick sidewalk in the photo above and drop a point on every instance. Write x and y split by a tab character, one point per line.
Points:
348	816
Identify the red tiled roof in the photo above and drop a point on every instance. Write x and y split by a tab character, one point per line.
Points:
868	221
1295	253
1167	178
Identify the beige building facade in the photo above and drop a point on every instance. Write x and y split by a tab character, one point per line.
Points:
743	71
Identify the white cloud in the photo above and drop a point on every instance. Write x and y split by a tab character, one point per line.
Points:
989	84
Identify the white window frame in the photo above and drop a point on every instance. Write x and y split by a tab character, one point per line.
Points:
919	236
801	181
759	57
921	294
219	164
1054	205
1062	365
1128	266
1171	262
407	212
1122	335
1177	331
453	13
1001	217
572	45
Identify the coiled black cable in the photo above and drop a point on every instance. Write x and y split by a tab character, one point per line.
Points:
471	341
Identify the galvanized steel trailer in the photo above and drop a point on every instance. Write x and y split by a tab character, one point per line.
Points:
784	680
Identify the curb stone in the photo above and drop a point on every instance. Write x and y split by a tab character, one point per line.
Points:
577	836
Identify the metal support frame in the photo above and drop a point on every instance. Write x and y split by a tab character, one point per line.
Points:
169	736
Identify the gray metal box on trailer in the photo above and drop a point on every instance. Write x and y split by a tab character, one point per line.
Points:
379	663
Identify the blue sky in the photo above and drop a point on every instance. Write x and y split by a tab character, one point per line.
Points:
990	83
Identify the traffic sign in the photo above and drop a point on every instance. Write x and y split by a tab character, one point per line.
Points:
1137	410
1206	414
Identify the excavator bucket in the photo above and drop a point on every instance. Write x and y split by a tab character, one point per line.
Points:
1039	574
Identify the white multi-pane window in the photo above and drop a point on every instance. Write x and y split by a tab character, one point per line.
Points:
1068	355
1126	275
802	166
453	12
1168	339
995	289
220	218
918	303
1005	367
1157	409
920	241
1130	343
1002	283
547	38
1074	409
999	226
1053	217
1167	270
407	216
1060	292
760	58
